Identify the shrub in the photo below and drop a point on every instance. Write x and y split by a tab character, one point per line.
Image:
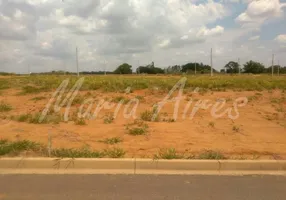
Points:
168	154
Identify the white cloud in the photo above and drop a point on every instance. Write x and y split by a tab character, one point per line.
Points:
256	37
210	32
258	12
281	38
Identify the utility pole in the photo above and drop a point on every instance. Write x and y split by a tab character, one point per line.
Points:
77	61
65	70
272	64
239	66
278	68
211	61
105	67
195	68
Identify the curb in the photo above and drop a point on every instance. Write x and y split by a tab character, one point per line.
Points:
139	166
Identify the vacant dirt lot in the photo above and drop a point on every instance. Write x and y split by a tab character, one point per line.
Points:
258	132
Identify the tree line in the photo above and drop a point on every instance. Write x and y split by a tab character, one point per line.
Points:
200	68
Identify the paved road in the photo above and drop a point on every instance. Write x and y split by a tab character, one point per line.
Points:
141	187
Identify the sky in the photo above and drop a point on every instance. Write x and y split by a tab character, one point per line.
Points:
42	35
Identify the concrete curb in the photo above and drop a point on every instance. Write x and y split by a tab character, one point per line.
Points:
139	166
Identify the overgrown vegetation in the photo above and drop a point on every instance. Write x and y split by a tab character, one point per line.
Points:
4	107
168	154
114	153
171	153
150	116
51	118
137	128
14	148
17	147
112	83
111	141
211	155
108	119
33	90
80	121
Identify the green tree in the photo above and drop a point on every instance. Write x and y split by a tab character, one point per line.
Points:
150	69
232	67
254	67
124	69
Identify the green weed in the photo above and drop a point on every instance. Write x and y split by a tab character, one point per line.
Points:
211	155
168	154
80	121
4	107
114	153
108	119
112	141
137	128
38	98
17	147
236	129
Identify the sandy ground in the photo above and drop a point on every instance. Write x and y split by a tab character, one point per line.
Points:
261	125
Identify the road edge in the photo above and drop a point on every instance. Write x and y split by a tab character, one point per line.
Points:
139	166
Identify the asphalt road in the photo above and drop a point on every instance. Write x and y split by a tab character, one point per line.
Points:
141	187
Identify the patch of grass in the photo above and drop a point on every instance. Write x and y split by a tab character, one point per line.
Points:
252	98
108	119
236	129
168	154
38	98
137	128
33	90
24	118
52	118
78	100
80	122
4	107
148	115
112	141
114	153
121	99
4	84
211	155
140	98
277	100
74	153
2	142
114	83
169	120
14	148
137	131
